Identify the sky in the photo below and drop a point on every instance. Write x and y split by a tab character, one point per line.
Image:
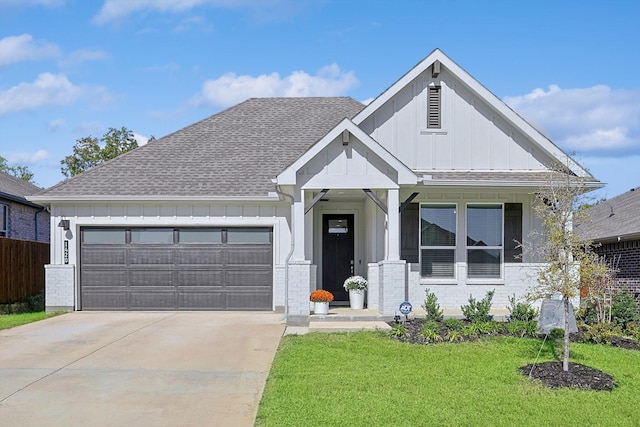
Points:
75	68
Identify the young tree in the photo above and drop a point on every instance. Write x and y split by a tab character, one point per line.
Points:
564	252
21	172
89	151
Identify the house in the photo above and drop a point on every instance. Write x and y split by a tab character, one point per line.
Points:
20	218
253	208
616	228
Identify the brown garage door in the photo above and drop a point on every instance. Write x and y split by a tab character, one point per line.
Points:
176	269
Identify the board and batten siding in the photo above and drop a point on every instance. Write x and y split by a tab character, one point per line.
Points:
473	136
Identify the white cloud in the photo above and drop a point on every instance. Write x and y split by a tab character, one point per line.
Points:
116	10
47	90
82	55
28	158
54	125
230	88
594	119
140	139
367	101
23	48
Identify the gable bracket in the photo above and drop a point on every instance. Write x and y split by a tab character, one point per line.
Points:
407	202
375	199
315	200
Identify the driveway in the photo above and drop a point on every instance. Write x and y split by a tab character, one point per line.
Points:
137	369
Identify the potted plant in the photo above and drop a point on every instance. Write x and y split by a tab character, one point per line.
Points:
356	285
321	300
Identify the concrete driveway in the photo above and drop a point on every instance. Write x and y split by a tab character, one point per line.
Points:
137	369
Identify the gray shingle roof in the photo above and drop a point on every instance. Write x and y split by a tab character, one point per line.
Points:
616	217
16	188
514	178
233	153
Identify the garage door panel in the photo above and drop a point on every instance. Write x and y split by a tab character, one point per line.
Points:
93	278
248	255
103	256
248	301
201	300
248	278
200	278
158	300
151	256
105	300
151	278
198	256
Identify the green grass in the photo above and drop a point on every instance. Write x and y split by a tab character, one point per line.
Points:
12	320
367	379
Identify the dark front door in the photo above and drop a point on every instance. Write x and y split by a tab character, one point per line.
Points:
337	253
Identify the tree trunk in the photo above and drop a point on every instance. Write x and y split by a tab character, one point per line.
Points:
565	358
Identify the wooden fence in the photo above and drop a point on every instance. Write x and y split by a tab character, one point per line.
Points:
21	269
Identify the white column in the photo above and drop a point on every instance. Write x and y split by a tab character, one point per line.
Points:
298	225
393	225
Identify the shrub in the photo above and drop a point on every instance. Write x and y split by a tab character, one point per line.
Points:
431	306
633	331
602	333
478	311
521	328
624	309
399	330
521	311
453	324
430	331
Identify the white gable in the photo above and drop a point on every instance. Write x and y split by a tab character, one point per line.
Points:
478	131
358	162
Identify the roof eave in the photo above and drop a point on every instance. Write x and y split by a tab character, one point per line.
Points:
272	197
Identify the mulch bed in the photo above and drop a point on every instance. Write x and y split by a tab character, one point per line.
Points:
578	376
548	373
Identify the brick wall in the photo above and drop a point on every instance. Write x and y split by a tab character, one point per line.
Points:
627	256
21	222
59	287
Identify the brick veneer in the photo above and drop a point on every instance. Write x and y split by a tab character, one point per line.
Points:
628	274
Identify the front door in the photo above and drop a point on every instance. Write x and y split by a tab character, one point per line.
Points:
337	253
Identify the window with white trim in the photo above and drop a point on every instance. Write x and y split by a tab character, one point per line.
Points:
484	241
437	240
4	220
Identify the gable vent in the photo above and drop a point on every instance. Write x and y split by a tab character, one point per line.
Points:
433	107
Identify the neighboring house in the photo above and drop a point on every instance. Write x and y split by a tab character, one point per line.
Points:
253	208
616	227
20	218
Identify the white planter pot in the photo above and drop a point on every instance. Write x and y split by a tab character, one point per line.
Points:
320	308
356	299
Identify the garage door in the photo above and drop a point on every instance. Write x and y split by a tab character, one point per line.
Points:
176	269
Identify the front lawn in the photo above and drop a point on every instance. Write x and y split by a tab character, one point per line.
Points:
12	320
367	379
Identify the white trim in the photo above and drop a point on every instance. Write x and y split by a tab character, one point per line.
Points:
405	175
154	198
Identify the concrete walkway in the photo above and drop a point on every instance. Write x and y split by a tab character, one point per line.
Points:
137	369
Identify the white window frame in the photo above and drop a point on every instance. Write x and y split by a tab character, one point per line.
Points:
439	279
471	279
4	225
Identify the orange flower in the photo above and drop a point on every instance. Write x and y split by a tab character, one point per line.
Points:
320	295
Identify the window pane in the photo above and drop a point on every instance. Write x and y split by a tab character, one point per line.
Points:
437	262
438	225
3	218
200	235
152	235
484	225
109	237
483	263
249	235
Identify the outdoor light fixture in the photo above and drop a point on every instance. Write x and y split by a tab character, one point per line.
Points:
64	224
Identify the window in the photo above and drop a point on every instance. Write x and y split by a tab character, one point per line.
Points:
484	241
433	107
152	235
249	235
109	237
200	235
437	240
4	218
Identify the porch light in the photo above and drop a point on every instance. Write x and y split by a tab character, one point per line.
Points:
64	224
